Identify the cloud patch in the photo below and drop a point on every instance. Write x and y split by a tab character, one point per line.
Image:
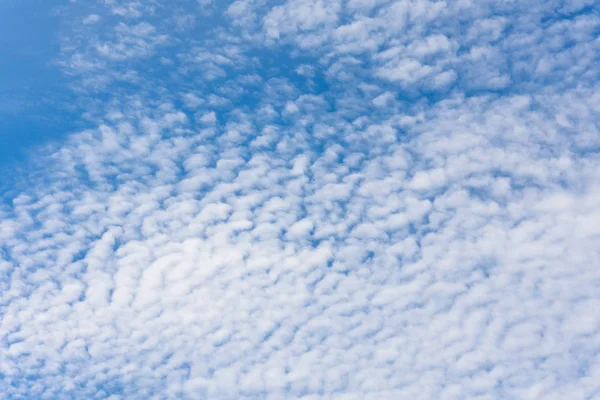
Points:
408	211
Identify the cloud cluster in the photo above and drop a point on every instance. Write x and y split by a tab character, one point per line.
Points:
343	199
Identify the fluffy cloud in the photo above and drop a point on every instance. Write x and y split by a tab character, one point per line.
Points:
362	199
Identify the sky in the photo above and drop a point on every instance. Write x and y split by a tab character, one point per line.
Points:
35	103
342	199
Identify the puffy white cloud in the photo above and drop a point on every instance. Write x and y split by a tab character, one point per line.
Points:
392	199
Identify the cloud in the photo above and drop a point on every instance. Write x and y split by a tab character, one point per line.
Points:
308	200
91	19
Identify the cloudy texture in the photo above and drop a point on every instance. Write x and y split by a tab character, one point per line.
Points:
344	199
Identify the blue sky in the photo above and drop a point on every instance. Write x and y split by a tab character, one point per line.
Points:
34	105
344	199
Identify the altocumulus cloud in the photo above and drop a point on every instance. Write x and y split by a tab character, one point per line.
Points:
312	199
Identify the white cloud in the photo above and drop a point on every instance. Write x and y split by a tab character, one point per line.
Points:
91	19
421	224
